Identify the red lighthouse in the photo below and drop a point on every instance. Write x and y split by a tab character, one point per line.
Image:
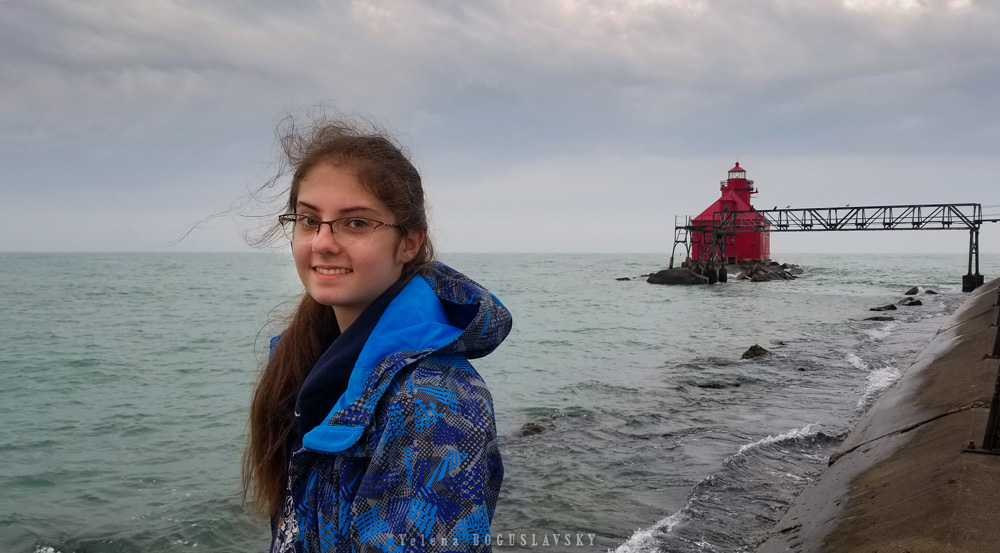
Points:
745	246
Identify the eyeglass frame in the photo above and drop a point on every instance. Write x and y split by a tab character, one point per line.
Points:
294	218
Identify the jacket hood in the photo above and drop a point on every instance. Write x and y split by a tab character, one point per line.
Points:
484	321
439	312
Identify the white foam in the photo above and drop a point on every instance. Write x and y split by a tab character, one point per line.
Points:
878	381
882	331
45	549
790	435
857	362
644	541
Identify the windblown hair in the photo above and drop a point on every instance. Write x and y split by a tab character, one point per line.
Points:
384	171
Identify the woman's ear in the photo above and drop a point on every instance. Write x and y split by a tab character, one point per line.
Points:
409	246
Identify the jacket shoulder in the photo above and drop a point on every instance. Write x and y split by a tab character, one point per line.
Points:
443	401
451	385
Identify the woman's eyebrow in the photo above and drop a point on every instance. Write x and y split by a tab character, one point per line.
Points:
358	208
345	211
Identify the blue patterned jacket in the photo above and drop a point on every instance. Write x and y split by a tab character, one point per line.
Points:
407	460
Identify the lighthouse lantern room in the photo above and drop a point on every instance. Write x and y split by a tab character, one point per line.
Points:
745	246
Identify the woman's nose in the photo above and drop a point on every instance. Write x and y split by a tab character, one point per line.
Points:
326	240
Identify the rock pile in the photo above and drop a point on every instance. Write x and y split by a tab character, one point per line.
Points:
763	272
914	290
752	271
908	301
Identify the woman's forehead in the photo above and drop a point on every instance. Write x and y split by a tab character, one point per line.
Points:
330	187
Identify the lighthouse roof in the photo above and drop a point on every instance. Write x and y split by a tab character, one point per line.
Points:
735	203
737	168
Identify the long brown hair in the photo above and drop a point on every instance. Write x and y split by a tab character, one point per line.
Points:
385	171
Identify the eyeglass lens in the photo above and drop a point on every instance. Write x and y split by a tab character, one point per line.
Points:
346	232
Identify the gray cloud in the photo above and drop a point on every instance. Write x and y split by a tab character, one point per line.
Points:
158	103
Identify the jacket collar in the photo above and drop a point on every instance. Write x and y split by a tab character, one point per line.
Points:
441	311
327	380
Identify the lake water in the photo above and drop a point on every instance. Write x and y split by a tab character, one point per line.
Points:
127	379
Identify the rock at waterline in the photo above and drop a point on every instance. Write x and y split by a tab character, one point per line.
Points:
930	292
530	429
677	276
911	301
754	352
889	307
881	318
716	385
622	278
764	272
912	291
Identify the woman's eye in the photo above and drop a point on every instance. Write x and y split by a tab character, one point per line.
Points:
357	225
308	221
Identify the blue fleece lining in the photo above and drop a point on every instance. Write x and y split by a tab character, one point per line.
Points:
397	330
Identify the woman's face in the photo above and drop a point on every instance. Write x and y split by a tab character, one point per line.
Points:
348	277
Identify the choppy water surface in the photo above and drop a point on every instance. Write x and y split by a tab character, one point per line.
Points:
127	379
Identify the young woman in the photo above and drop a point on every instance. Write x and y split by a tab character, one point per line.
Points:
369	429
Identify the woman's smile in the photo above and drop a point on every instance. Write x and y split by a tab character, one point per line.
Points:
332	271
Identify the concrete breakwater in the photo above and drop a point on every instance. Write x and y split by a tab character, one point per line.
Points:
903	479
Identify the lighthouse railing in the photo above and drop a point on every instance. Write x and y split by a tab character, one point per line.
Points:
847	218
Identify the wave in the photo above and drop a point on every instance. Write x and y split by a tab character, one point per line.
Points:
730	486
643	541
878	381
790	436
882	331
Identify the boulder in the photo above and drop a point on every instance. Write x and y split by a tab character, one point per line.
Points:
677	276
881	318
911	301
912	291
623	278
530	429
754	352
889	307
930	292
791	268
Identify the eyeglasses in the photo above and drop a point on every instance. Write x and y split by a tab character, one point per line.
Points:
348	231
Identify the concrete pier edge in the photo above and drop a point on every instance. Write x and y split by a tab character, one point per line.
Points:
903	481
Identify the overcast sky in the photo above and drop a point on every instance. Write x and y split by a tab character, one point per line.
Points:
551	126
